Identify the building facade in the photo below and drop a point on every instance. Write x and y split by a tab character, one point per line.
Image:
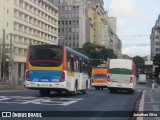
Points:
155	38
74	25
27	22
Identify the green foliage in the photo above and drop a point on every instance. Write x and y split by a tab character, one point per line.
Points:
96	53
139	62
157	69
156	58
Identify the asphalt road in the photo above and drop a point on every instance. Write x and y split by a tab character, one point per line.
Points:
94	100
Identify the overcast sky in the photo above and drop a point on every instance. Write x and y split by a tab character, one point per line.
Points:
135	19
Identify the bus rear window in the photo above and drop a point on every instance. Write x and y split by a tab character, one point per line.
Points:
46	56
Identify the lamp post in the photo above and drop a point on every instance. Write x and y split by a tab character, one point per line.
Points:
11	78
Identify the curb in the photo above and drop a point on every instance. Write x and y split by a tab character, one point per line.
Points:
141	105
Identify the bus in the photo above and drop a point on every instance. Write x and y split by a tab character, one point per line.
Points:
122	75
56	68
99	77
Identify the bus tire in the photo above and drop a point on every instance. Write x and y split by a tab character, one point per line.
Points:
131	91
112	90
44	93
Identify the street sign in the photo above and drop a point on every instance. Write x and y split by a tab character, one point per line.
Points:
148	62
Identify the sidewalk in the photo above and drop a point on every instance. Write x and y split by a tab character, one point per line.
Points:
150	102
19	88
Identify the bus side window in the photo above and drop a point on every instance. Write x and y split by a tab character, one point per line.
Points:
76	63
80	65
68	61
85	66
72	63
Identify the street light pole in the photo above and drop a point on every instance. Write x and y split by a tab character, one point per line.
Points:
3	56
11	79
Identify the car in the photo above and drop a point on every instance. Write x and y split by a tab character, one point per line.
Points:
142	78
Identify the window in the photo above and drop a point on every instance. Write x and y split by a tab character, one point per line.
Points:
72	63
46	56
85	66
157	37
66	22
80	65
73	7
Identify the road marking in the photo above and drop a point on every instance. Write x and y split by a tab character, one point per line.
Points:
141	106
38	100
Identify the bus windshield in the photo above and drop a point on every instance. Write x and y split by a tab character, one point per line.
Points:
46	55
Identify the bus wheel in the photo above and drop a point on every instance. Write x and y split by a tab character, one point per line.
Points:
131	91
112	91
83	91
44	93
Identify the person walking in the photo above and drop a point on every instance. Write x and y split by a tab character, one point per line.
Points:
153	85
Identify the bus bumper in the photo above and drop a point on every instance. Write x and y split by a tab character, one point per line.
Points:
44	85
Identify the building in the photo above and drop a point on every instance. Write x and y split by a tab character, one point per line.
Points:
27	22
155	38
74	25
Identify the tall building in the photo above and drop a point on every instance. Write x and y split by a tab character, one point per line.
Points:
155	38
74	25
103	28
27	22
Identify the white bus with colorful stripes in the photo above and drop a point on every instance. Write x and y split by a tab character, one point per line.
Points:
121	75
56	68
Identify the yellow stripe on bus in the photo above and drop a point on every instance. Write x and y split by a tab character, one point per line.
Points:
70	73
44	68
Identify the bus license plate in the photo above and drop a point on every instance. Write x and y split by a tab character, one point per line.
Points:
44	84
44	80
119	85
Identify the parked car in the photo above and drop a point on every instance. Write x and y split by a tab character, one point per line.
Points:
142	78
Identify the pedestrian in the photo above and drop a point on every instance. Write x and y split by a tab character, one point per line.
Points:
153	85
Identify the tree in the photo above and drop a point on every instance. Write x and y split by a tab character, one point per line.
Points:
96	53
139	62
156	58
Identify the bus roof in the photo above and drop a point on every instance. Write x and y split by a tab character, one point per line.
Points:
77	53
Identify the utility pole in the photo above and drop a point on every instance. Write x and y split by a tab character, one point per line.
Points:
11	78
3	56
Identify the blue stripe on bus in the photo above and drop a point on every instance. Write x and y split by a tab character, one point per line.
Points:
45	75
100	76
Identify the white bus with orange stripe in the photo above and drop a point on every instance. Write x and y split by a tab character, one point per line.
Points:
121	75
